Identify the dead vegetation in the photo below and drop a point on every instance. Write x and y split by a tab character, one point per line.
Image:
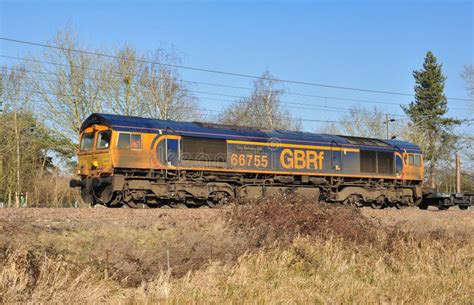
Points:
277	250
283	218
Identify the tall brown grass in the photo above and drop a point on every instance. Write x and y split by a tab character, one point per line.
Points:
307	271
320	261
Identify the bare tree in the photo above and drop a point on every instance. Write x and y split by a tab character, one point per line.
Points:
262	108
468	139
123	90
15	97
164	94
79	83
366	122
73	88
468	76
27	145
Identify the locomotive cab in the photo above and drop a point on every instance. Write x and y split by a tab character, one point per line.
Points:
104	151
94	156
413	166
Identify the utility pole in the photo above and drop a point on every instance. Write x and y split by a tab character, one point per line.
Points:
387	121
17	142
458	173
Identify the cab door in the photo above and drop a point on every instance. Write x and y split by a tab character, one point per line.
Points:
336	157
399	166
130	151
172	152
413	166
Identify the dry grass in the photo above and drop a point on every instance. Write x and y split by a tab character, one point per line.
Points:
331	271
261	253
26	277
282	218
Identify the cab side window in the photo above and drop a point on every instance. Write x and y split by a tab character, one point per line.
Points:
103	139
136	141
417	160
414	160
123	141
129	141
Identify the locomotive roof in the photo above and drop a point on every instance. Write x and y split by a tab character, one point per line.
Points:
198	129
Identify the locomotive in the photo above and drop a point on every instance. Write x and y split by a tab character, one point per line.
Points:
135	161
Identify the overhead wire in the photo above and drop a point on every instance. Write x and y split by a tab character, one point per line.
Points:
214	110
311	106
284	92
283	103
295	105
214	71
217	111
222	100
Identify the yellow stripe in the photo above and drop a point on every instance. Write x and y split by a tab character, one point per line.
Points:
284	172
173	137
292	145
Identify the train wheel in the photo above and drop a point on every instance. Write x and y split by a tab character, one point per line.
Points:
423	206
179	205
444	204
379	203
152	205
115	206
218	200
165	204
116	203
407	201
134	204
213	204
354	200
401	205
377	206
463	207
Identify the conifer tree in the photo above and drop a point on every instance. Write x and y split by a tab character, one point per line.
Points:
427	114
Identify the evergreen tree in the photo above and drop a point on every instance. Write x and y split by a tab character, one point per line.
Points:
434	131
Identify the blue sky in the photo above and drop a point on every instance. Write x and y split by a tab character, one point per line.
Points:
363	44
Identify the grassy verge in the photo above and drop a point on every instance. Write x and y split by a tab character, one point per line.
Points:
274	251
